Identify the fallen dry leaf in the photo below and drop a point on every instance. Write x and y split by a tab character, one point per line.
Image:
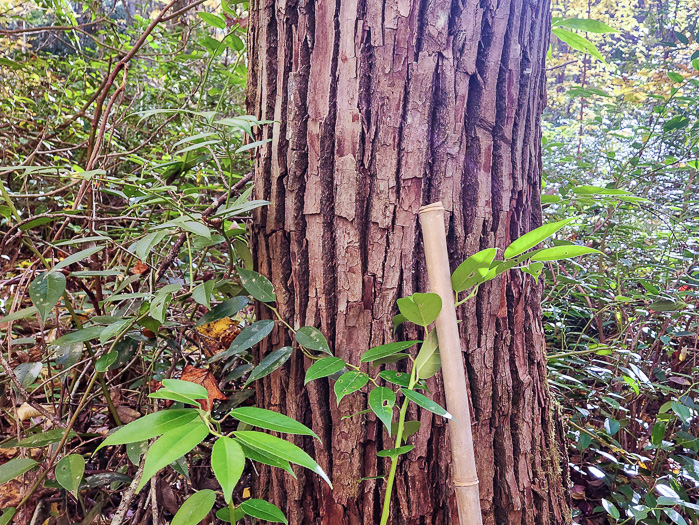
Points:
204	377
218	336
26	411
139	268
127	415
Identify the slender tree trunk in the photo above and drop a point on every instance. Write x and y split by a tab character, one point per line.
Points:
381	106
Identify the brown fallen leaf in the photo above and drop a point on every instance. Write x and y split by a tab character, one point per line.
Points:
139	268
127	414
204	377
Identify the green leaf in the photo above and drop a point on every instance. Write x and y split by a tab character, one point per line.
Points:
195	227
597	190
78	257
186	388
577	42
462	276
395	377
427	363
69	472
227	462
611	509
257	285
611	426
675	516
398	320
7	515
586	24
534	237
426	403
19	314
379	352
263	510
14	468
349	382
409	428
150	426
226	309
45	438
104	362
675	77
420	308
667	306
212	20
534	269
562	252
195	508
86	334
144	246
381	401
658	433
255	454
182	391
247	338
202	293
280	448
323	368
45	292
270	420
171	446
27	372
394	452
270	363
313	339
113	329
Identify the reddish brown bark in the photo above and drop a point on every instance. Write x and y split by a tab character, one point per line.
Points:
381	107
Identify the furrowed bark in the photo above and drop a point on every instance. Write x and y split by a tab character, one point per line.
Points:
381	107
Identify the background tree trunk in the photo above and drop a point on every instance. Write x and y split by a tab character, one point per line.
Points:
381	107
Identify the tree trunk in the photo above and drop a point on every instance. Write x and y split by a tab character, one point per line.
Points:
382	107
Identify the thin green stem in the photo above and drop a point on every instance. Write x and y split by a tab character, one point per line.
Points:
394	461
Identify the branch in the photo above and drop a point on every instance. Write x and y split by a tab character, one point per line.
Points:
175	249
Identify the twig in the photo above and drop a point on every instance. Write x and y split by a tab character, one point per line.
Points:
129	494
175	249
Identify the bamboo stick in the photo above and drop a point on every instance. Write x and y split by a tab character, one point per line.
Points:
438	271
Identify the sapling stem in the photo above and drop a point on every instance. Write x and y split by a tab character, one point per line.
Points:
394	460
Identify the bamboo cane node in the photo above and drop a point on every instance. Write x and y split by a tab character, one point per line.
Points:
435	206
466	483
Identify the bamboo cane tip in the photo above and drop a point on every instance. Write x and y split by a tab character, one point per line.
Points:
435	206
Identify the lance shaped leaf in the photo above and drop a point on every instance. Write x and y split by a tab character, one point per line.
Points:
462	278
227	462
263	510
270	420
150	426
14	468
534	237
323	368
380	352
274	446
428	362
171	446
195	508
270	363
426	403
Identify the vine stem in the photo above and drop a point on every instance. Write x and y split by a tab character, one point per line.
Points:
394	460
